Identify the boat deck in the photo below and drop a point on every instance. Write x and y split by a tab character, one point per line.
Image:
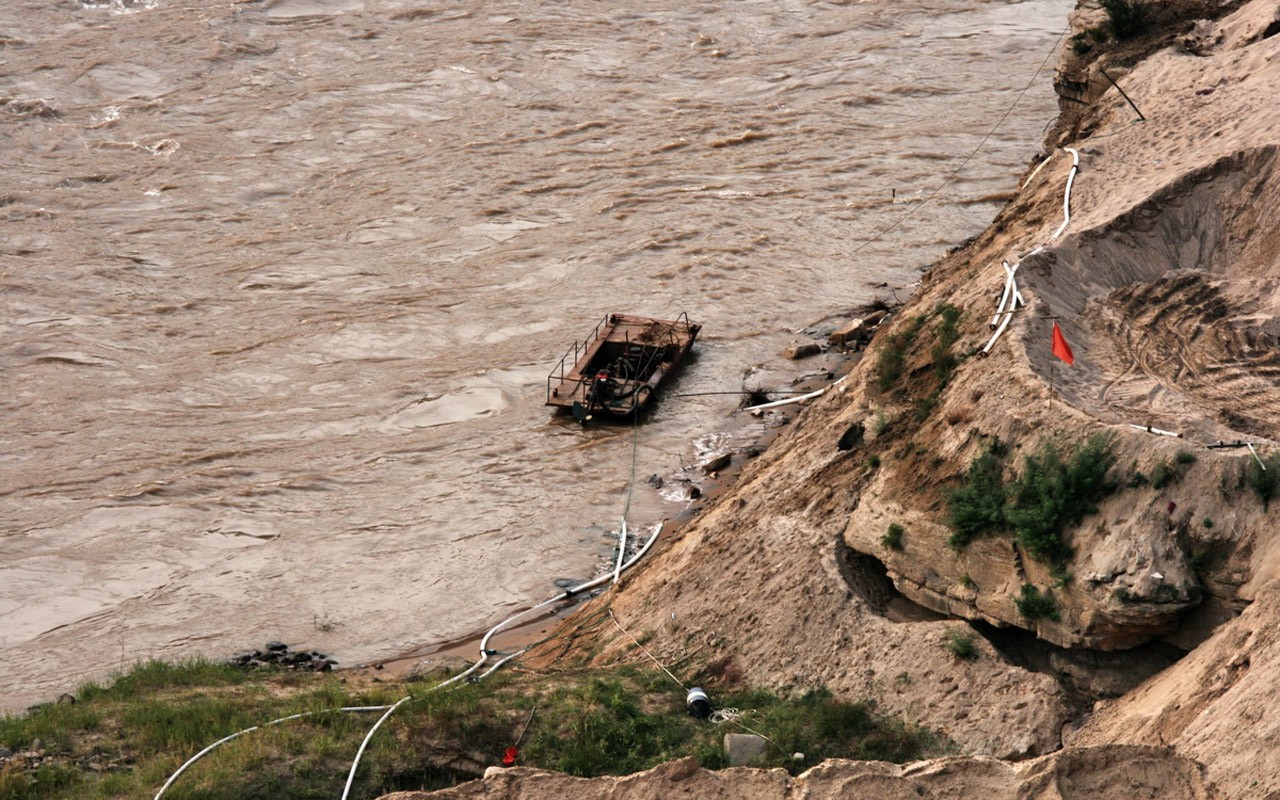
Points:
633	354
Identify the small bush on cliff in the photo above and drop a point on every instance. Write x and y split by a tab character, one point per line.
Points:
948	333
1053	493
1263	478
892	359
1127	18
1032	604
961	645
976	506
893	537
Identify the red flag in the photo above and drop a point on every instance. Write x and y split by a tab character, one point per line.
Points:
1060	347
509	757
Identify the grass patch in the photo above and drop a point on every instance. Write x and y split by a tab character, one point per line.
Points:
948	333
125	738
892	359
1162	475
1051	493
1033	604
892	538
961	645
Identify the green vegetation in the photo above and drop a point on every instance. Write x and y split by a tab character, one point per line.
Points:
948	333
1263	478
927	404
1032	604
893	537
976	506
1127	18
873	461
882	423
1164	473
892	359
1052	494
961	645
124	739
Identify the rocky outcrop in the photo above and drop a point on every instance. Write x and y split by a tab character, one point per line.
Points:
1103	773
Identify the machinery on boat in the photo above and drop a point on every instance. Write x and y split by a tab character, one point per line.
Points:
617	370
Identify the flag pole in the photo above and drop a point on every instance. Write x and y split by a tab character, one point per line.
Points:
1051	367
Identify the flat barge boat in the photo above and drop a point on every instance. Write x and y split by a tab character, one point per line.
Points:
617	370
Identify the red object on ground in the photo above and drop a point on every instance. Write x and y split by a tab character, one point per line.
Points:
1060	347
509	758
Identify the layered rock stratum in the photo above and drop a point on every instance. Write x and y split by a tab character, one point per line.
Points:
1165	282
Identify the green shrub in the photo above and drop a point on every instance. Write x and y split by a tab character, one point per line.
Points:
893	537
948	333
1263	478
892	359
1034	605
881	423
927	404
961	645
1053	493
1162	475
1127	18
1185	457
873	461
976	506
1207	523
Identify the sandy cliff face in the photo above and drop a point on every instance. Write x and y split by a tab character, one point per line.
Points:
1166	282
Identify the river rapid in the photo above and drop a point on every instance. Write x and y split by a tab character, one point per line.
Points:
281	283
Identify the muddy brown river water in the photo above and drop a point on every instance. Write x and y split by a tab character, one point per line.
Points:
281	282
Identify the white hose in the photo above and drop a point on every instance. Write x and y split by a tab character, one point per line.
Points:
1157	431
1011	293
1066	196
801	398
1004	296
352	775
1256	457
622	549
1036	172
238	734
